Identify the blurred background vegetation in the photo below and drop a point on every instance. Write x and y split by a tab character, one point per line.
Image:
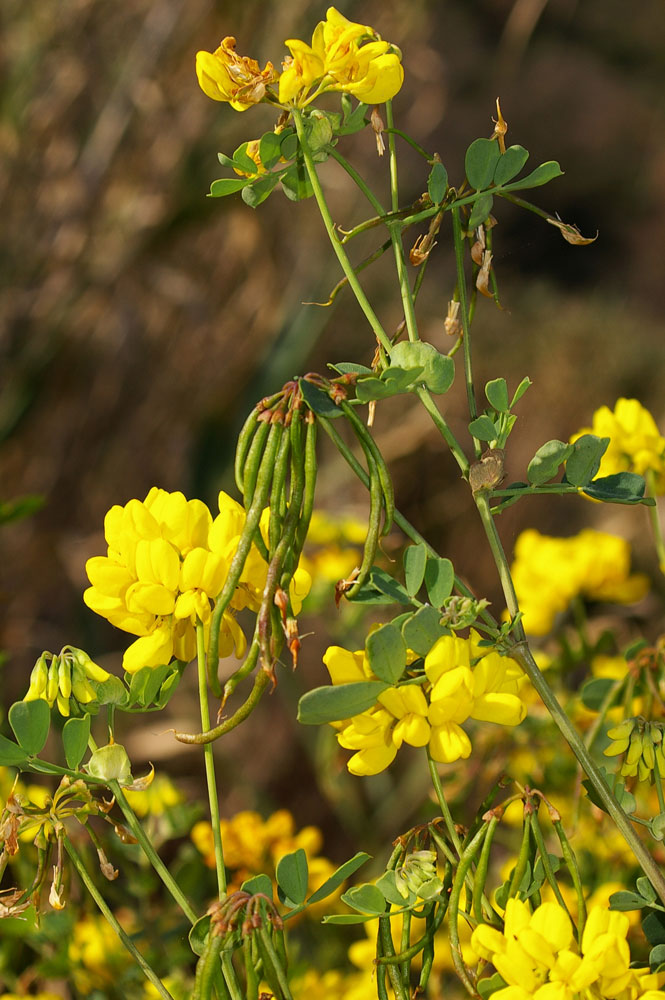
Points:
141	320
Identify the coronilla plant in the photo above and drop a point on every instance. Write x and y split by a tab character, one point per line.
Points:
547	724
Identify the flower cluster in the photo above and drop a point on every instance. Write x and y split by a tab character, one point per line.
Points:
537	957
462	681
636	444
64	679
344	57
642	744
167	561
253	845
549	572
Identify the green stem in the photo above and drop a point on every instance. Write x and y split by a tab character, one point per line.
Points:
209	760
261	681
439	421
655	521
395	230
84	875
407	138
358	181
340	253
443	805
399	518
521	652
150	852
388	951
571	864
463	870
545	860
464	309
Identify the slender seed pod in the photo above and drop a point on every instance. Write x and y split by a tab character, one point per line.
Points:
243	445
282	463
367	442
251	976
373	528
253	461
206	969
252	519
522	857
545	861
310	469
480	877
268	956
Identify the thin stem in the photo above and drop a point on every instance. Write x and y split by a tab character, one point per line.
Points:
84	875
655	521
150	852
443	805
399	518
440	423
407	138
464	309
524	657
340	253
358	180
395	230
210	761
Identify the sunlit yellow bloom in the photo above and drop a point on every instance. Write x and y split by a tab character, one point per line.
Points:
96	954
161	796
538	958
344	56
166	563
636	444
463	681
549	572
225	76
253	845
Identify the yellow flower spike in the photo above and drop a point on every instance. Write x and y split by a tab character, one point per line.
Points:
223	75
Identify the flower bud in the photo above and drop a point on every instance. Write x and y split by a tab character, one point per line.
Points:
111	763
65	676
52	682
38	679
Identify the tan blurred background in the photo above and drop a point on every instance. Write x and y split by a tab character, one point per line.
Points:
139	320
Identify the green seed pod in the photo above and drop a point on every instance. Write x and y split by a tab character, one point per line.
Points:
253	460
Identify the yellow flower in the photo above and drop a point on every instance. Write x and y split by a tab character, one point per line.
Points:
537	955
432	714
636	444
344	56
161	796
253	845
225	76
96	953
549	572
167	561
